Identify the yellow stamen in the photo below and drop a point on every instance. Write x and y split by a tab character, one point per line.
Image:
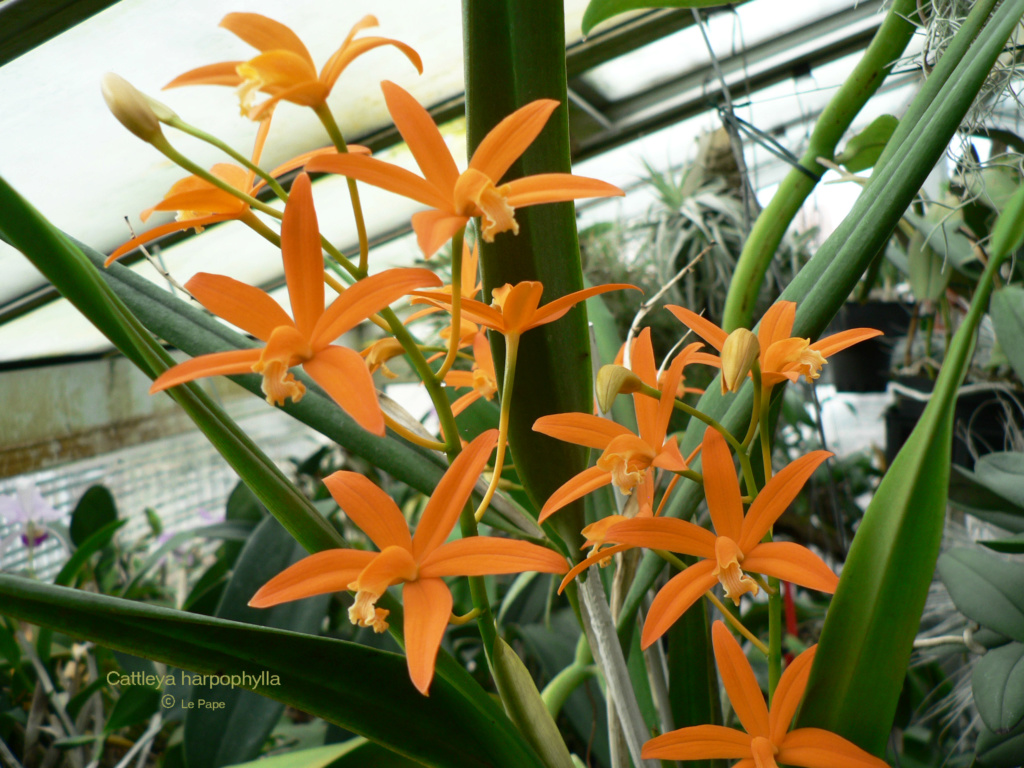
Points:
365	613
247	90
484	383
810	363
627	467
498	215
285	343
728	571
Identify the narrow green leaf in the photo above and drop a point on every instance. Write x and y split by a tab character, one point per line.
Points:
1008	232
521	44
362	689
863	150
70	271
692	674
235	733
96	541
136	704
968	494
354	753
1007	310
602	10
986	589
998	686
1013	545
94	510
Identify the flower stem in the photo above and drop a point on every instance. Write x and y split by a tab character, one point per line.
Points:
511	351
412	437
774	637
766	438
456	335
739	448
324	113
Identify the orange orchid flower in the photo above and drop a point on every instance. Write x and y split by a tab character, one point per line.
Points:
483	378
628	460
783	357
768	740
735	546
379	352
284	69
306	339
200	203
417	562
516	308
455	197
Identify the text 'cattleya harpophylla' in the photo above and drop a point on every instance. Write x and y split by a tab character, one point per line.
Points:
306	340
416	561
284	69
456	197
735	547
768	741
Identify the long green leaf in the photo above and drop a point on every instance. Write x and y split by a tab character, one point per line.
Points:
521	45
362	689
602	10
64	265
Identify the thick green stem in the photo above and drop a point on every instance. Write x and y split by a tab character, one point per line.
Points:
456	335
774	637
886	47
324	113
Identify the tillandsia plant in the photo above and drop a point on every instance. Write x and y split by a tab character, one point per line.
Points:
501	494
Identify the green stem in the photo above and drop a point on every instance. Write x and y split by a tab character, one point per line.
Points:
456	335
511	352
324	113
755	410
564	683
766	438
174	155
886	47
257	225
233	153
774	637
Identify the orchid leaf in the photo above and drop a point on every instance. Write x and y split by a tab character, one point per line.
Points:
863	150
1003	473
362	689
1000	750
1008	320
986	589
998	686
1013	545
94	510
354	753
968	494
521	43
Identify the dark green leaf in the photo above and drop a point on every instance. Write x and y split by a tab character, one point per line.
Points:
136	704
998	686
92	544
602	10
236	732
1014	545
94	510
1008	232
359	688
986	590
1000	750
1007	310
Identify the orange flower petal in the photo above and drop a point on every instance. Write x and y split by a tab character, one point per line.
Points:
817	748
503	145
216	364
372	510
221	73
476	311
164	229
555	309
428	604
265	34
641	362
670	458
303	259
788	694
383	175
707	330
576	487
434	229
519	308
462	403
329	571
739	681
776	496
840	341
344	376
424	140
665	533
489	555
721	487
673	600
667	401
451	494
777	323
556	188
279	70
698	742
208	200
581	566
344	56
239	303
791	562
366	297
580	428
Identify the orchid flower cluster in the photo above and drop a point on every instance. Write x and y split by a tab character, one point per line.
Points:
645	467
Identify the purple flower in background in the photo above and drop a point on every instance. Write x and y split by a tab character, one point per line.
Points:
29	514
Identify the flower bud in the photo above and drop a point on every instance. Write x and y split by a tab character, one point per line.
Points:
613	380
739	353
131	107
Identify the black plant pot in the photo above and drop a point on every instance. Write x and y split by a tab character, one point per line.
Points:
980	418
864	367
